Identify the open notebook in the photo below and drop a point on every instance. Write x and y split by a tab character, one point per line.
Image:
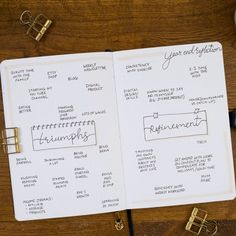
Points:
102	132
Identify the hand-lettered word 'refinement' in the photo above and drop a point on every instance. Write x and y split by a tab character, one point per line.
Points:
163	126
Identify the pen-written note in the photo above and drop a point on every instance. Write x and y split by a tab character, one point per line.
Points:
193	50
169	132
174	123
163	126
63	135
65	107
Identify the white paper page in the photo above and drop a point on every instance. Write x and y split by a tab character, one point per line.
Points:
174	123
65	107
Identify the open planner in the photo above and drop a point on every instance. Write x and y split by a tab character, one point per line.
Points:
103	132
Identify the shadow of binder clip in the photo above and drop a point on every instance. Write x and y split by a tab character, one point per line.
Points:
37	26
197	223
10	140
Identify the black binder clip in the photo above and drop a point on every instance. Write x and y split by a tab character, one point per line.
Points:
197	223
10	140
232	119
119	225
37	26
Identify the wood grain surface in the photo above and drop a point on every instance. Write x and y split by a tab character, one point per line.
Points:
88	26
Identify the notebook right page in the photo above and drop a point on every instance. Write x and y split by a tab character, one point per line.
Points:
175	134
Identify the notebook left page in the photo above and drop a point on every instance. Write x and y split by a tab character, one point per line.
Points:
70	161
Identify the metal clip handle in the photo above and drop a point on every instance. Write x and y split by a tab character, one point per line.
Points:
36	27
10	140
119	225
26	18
197	223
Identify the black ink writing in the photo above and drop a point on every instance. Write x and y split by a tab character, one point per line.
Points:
194	50
157	129
162	126
78	135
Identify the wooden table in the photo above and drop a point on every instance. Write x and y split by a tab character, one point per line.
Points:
87	26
